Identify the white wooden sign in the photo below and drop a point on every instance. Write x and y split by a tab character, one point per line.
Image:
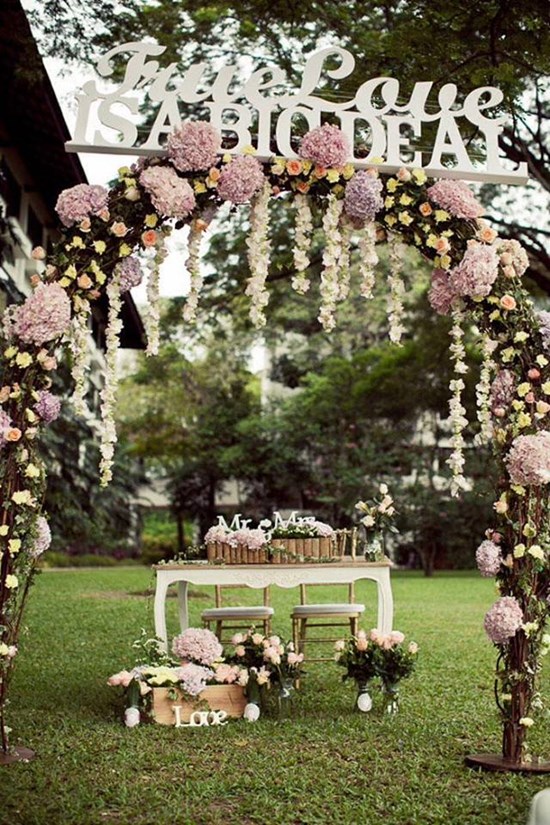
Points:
108	117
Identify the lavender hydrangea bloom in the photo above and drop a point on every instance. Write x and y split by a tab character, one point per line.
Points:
528	460
322	529
240	179
477	271
441	294
544	320
363	198
193	147
197	645
80	202
503	620
171	195
455	197
488	558
45	315
326	145
129	273
48	406
194	678
43	538
5	424
503	390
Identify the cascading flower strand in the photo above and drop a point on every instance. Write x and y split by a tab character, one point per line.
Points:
108	393
395	306
344	261
457	418
483	391
302	244
152	317
259	248
330	287
78	344
367	258
194	269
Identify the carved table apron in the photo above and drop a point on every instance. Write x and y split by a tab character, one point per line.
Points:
262	575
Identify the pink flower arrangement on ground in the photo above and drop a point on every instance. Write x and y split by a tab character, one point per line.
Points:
45	315
326	145
80	202
488	558
171	195
528	460
194	146
48	406
240	179
441	294
476	272
363	198
503	620
197	645
129	273
455	197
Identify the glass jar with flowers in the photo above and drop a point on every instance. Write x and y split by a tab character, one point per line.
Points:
376	518
286	668
393	661
248	651
356	655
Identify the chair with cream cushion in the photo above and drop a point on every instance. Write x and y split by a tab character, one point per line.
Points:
239	617
331	614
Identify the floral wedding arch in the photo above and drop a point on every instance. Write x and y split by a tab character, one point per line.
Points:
111	238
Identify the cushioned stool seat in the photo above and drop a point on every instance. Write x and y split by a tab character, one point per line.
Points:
328	609
240	617
258	612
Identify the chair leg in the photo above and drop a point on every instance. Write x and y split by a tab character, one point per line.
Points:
354	625
302	631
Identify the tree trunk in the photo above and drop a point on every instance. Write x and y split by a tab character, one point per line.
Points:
181	532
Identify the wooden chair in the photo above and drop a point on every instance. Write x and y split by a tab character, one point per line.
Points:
331	614
240	617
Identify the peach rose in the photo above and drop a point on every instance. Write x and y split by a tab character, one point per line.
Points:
149	237
214	174
35	280
38	253
533	374
442	245
320	171
404	175
530	397
13	434
294	167
487	235
302	186
425	209
85	225
84	281
509	271
508	302
119	229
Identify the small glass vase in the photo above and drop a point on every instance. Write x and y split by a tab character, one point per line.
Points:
363	701
391	696
373	546
285	698
254	706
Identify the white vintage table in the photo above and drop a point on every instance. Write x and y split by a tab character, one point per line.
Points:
262	575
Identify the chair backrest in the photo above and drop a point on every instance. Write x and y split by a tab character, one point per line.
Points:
219	588
303	592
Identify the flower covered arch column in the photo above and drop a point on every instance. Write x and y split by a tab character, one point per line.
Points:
110	239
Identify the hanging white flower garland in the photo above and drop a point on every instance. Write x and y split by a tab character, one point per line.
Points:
152	318
368	259
108	393
330	287
344	261
457	411
259	248
78	344
483	391
302	243
395	308
193	265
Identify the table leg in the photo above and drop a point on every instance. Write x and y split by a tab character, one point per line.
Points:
182	605
160	609
385	603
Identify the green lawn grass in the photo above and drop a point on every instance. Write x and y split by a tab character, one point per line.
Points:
328	765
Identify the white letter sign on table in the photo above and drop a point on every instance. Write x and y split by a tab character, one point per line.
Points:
388	127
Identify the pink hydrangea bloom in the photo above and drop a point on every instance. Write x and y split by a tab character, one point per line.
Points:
513	254
48	406
326	145
363	198
528	460
252	539
129	273
455	197
216	533
194	146
81	201
322	529
240	179
441	294
45	315
477	271
171	195
488	558
197	645
43	538
194	678
544	320
503	620
503	390
5	424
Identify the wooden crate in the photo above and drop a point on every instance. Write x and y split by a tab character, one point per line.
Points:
230	698
292	551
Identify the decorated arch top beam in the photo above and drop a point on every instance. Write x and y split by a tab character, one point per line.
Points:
260	111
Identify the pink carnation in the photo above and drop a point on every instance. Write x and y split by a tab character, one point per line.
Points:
5	424
240	179
326	145
503	390
441	294
197	645
194	146
48	406
477	271
45	315
43	538
488	558
80	202
456	197
363	198
528	460
171	195
503	620
129	273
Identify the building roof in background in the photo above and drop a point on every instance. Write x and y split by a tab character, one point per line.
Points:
35	125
